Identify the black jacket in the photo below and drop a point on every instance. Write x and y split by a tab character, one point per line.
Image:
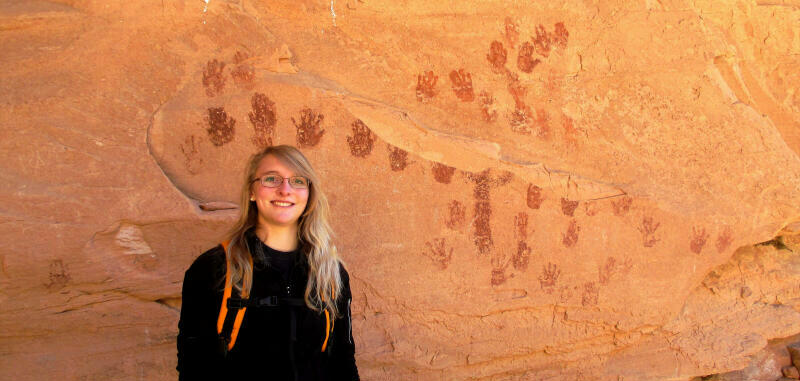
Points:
264	349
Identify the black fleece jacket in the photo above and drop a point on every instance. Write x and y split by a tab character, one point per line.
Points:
264	349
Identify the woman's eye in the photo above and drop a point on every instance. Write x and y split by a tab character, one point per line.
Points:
270	179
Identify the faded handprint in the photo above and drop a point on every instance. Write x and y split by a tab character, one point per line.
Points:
426	86
438	253
362	140
462	85
221	128
309	132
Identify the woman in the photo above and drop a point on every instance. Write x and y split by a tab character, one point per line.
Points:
285	275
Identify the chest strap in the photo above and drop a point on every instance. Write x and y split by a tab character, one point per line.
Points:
231	312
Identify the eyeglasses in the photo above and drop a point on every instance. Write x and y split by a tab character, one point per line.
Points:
274	181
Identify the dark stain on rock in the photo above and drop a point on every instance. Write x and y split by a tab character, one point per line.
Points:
362	141
263	117
309	131
221	127
481	224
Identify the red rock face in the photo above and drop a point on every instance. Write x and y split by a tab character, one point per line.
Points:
596	192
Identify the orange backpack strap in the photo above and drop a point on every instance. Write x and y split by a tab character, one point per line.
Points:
223	309
328	325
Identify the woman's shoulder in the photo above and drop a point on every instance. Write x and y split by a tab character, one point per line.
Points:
210	263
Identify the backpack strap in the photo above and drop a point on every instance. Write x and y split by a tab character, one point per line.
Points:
230	332
234	308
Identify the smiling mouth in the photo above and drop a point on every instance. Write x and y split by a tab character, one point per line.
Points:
282	203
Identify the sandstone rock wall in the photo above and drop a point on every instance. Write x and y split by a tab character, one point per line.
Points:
520	190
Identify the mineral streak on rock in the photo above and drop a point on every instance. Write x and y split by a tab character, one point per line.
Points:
221	128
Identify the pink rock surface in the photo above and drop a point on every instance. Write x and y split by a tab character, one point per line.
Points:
519	190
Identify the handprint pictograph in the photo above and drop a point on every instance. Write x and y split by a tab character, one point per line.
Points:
591	294
525	61
549	277
59	275
497	56
243	74
648	229
263	117
362	140
560	35
213	77
568	207
612	267
511	32
499	266
398	158
542	41
621	205
570	237
724	240
462	85
221	127
456	215
699	237
191	150
438	253
443	173
426	86
534	198
309	132
488	112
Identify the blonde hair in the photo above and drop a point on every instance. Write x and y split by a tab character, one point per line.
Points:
314	233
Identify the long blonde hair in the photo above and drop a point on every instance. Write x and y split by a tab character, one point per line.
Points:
314	232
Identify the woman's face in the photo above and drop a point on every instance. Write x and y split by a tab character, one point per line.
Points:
280	206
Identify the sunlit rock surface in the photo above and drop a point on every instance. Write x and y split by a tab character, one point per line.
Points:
520	190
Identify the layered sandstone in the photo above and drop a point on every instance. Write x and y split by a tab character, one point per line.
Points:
601	190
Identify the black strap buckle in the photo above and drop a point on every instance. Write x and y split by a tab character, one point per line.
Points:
269	301
237	303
